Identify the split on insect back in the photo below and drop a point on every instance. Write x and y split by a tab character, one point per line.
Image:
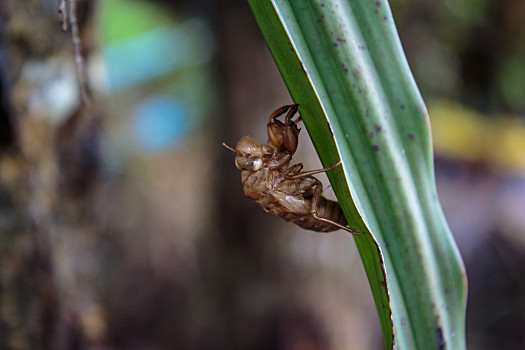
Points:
283	189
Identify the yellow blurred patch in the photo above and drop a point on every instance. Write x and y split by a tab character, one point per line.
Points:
463	133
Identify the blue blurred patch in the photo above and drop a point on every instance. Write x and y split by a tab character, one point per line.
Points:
160	123
149	55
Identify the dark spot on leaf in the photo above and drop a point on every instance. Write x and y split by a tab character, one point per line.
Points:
379	128
411	137
345	70
418	109
362	47
384	18
376	148
378	3
402	107
376	12
383	283
341	40
403	321
322	5
335	44
440	340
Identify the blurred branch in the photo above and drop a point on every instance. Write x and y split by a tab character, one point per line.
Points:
67	14
62	14
45	181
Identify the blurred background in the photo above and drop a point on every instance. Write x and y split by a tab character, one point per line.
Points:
123	224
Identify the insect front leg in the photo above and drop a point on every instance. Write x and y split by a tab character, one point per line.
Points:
291	112
283	136
315	204
278	112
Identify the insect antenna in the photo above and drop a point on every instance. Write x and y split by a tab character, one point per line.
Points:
228	147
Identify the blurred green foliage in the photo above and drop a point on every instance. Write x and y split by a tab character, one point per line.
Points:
124	19
471	51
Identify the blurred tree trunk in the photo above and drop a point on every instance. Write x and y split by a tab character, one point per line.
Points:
48	165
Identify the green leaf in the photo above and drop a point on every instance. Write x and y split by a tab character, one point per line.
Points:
343	63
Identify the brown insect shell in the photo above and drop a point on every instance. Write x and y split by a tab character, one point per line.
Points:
280	134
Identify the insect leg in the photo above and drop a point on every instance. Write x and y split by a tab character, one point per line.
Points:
290	114
313	172
313	210
279	111
291	171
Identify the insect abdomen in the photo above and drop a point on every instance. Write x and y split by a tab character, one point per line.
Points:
326	209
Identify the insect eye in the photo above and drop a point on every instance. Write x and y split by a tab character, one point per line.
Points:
257	164
249	163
